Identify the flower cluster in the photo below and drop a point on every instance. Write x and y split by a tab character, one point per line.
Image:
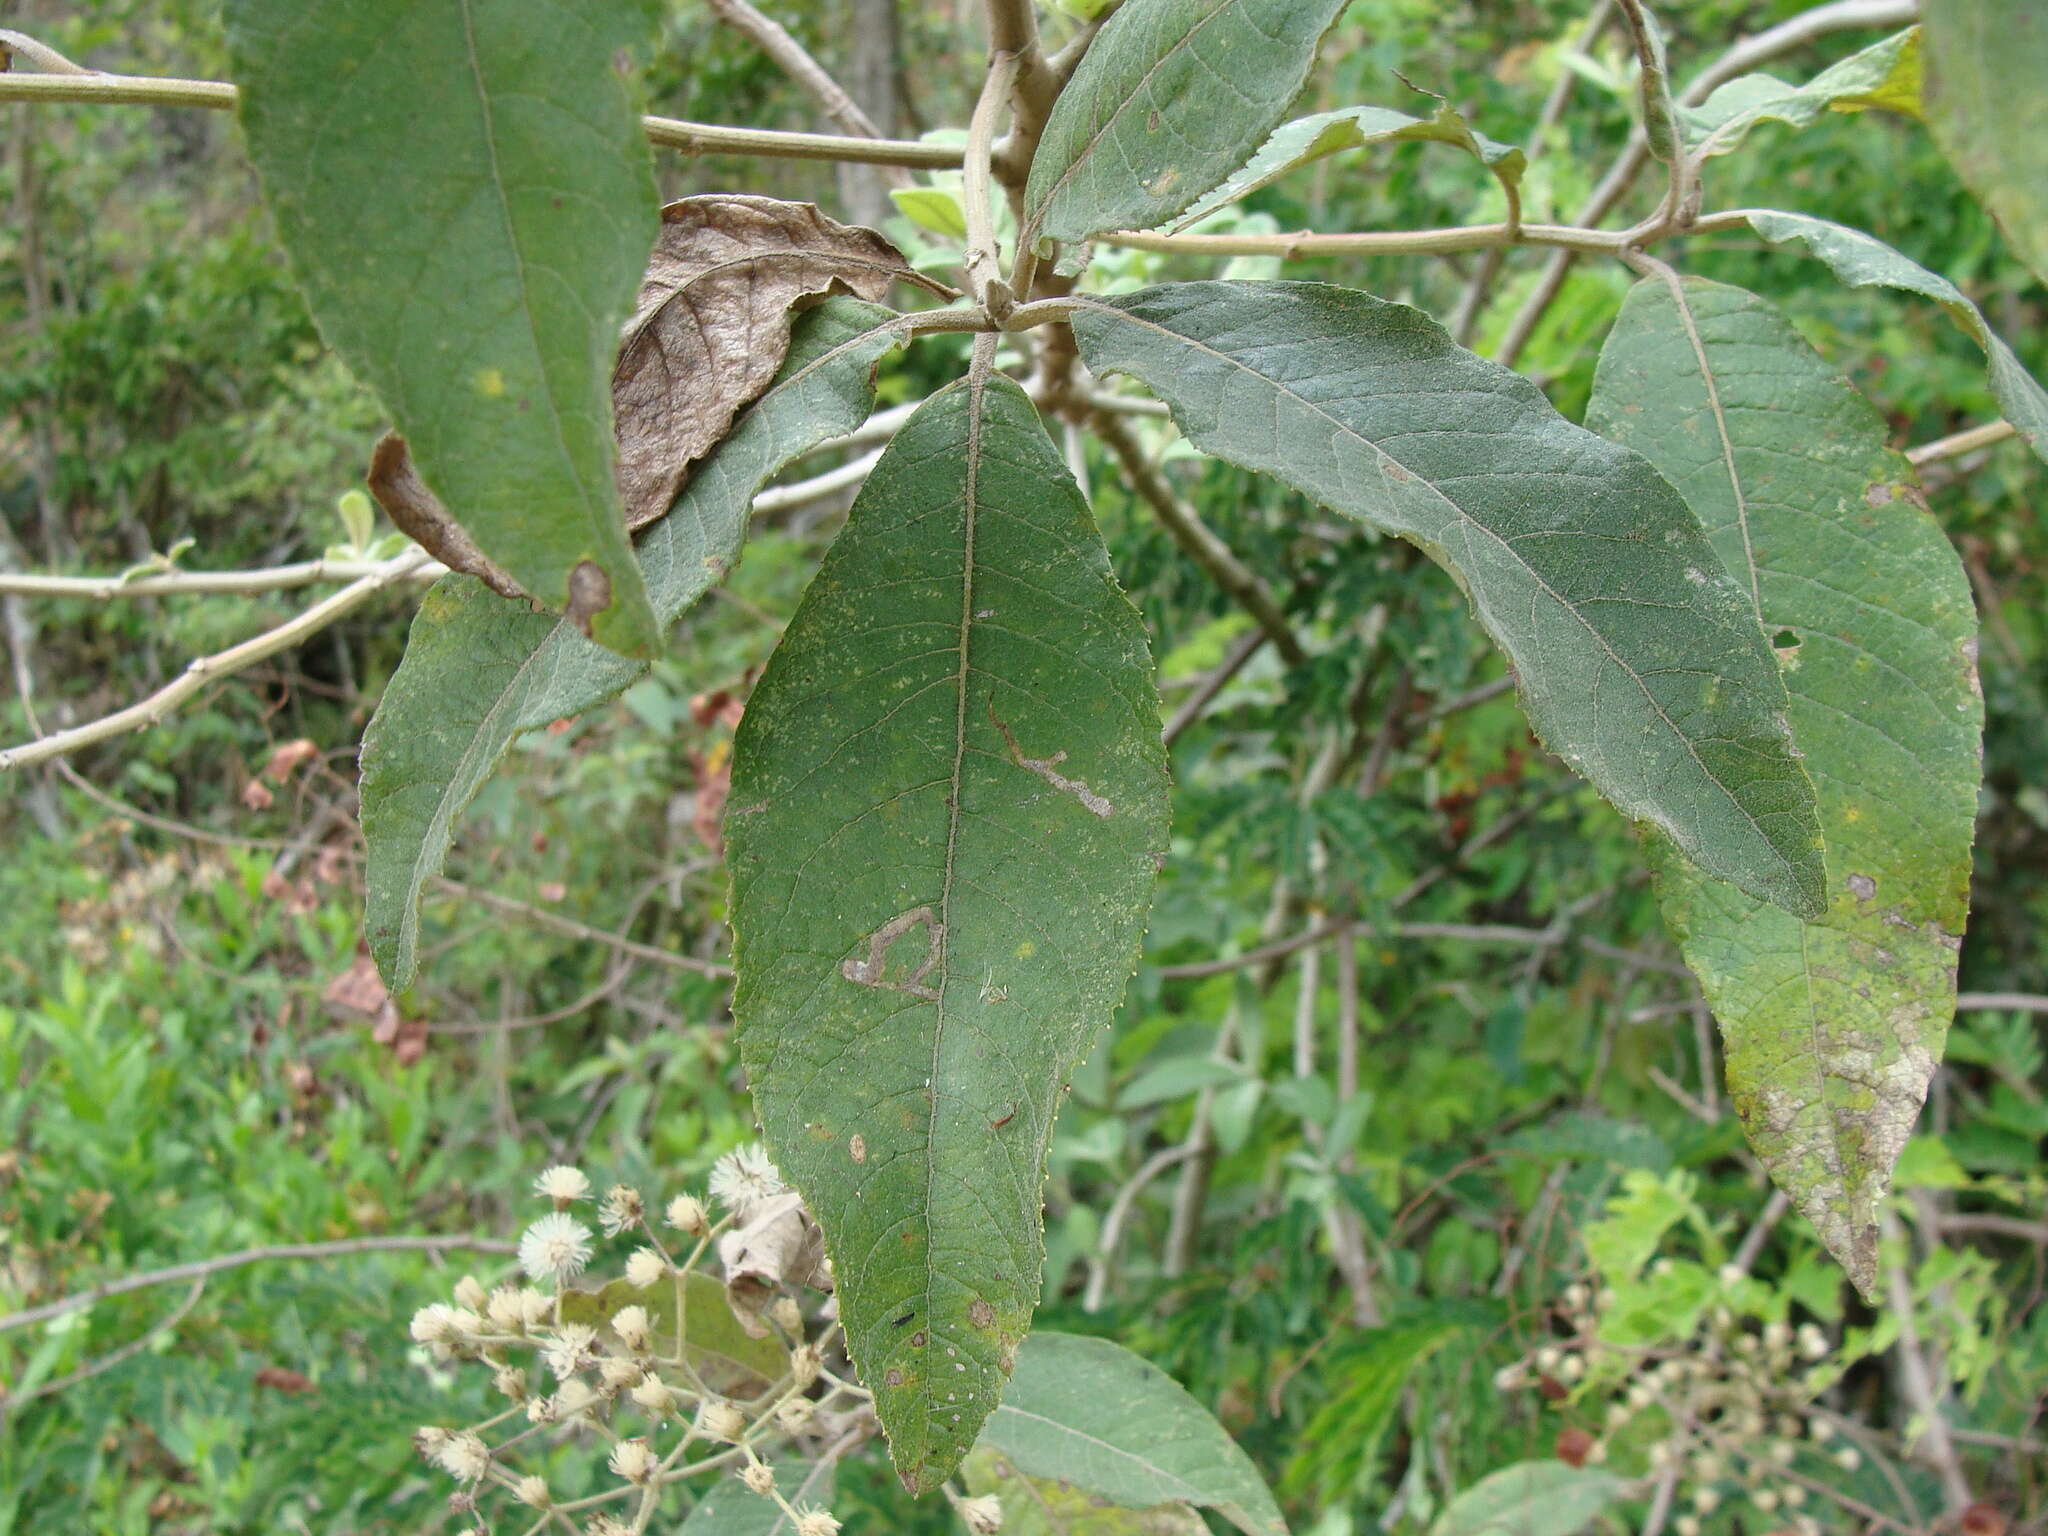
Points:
614	1363
1727	1416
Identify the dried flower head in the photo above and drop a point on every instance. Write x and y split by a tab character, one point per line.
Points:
622	1208
632	1460
805	1363
434	1324
510	1381
573	1398
465	1456
554	1248
574	1347
607	1525
722	1421
983	1514
619	1373
532	1490
815	1522
787	1315
655	1397
504	1310
796	1415
563	1185
645	1269
469	1292
634	1327
759	1477
744	1179
686	1213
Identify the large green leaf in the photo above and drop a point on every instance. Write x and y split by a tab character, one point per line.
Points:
479	668
1308	139
948	808
1833	1026
1637	657
1886	75
1172	96
1987	101
1863	261
1091	1413
1530	1498
468	200
1044	1506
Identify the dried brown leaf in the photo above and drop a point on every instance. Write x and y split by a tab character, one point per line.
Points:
778	1244
411	504
711	326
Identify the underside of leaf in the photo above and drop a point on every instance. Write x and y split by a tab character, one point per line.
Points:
948	810
1833	1027
1638	659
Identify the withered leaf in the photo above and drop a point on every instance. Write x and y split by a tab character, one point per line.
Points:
711	326
778	1243
417	512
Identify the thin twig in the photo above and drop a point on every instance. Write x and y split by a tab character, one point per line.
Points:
206	669
106	1362
200	1268
794	60
666	132
1197	539
977	189
1956	444
1191	707
2017	1002
540	917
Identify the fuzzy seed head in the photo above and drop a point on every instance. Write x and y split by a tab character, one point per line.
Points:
464	1456
634	1327
469	1292
645	1269
804	1365
655	1397
1686	1525
555	1248
533	1491
815	1522
759	1477
622	1208
618	1373
434	1324
562	1184
1848	1458
632	1460
745	1179
686	1213
575	1346
573	1398
787	1315
722	1421
510	1381
796	1415
983	1514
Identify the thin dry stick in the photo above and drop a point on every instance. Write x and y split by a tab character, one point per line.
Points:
570	928
1197	539
1956	444
1194	704
795	61
667	132
206	669
2017	1002
200	1268
106	1362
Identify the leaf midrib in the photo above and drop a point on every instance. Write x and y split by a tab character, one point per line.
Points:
1601	640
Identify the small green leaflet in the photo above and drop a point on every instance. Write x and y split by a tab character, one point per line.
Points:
1530	1498
468	202
479	669
948	809
1047	1506
1308	139
1863	261
1885	75
1638	660
1987	61
1833	1027
1089	1412
1172	96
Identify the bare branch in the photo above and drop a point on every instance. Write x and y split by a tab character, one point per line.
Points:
1956	444
201	1268
112	1358
2020	1002
1198	540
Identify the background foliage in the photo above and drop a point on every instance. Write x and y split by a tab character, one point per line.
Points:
1536	1102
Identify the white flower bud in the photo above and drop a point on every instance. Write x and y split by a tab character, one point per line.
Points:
532	1490
1848	1458
464	1456
505	1310
1509	1377
983	1514
1548	1358
573	1397
1765	1499
804	1365
632	1460
1777	1335
722	1421
633	1327
1813	1343
787	1316
1576	1297
1782	1452
618	1373
1617	1415
759	1477
1733	1274
815	1522
622	1208
574	1347
1596	1453
1705	1499
562	1184
686	1213
645	1269
1794	1496
510	1381
1821	1430
1571	1368
469	1292
1685	1525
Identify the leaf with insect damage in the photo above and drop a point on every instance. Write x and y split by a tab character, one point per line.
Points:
468	201
1833	1025
1171	97
711	326
479	669
1637	658
948	808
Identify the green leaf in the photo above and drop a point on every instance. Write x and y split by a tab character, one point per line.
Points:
1986	64
1176	1080
1530	1498
1308	139
1863	261
1043	1506
1637	658
721	1352
937	209
468	201
948	809
1833	1026
1091	1413
479	669
1171	97
1885	75
729	1508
